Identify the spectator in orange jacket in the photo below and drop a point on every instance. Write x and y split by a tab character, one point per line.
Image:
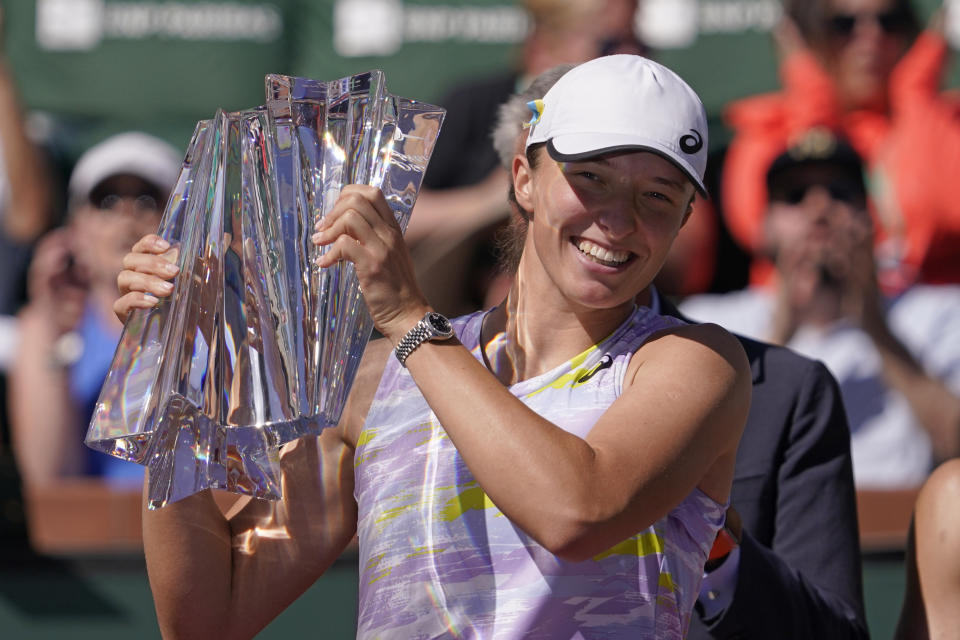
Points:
858	68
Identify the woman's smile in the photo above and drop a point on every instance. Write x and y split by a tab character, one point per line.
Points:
601	255
600	227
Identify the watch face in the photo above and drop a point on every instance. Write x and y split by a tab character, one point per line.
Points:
439	323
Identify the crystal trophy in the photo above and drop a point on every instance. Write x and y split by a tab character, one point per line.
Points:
257	346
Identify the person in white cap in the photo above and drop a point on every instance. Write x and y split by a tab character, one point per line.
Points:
772	576
557	466
67	331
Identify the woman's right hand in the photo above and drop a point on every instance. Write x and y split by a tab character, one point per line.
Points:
146	275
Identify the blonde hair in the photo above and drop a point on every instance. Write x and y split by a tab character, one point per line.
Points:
512	114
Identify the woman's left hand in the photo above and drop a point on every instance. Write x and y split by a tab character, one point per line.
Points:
361	229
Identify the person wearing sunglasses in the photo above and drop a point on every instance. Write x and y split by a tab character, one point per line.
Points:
67	330
897	358
865	70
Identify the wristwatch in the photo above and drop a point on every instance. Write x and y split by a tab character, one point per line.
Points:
433	326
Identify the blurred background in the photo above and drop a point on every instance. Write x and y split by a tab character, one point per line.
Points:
84	70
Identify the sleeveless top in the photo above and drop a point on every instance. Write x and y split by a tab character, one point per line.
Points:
439	560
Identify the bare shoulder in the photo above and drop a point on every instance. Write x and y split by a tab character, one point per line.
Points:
688	388
697	345
937	530
703	368
932	594
364	388
936	504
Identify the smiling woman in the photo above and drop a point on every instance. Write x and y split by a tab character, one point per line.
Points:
507	470
615	216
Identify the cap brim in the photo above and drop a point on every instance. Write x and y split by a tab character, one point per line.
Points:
572	153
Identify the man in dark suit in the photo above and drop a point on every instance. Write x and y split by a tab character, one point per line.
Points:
788	566
798	554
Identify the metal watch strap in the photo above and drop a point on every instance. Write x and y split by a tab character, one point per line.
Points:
413	339
432	326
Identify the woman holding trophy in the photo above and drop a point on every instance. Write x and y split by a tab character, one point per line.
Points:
556	467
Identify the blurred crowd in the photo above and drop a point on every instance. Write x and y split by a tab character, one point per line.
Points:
836	189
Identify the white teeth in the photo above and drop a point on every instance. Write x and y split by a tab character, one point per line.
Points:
601	254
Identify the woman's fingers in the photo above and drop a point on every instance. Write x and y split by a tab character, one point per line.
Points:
157	265
123	305
149	263
365	201
380	205
361	228
150	243
134	281
347	232
147	270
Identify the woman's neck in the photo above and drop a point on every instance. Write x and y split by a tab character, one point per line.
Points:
519	342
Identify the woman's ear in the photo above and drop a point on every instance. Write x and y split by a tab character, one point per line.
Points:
522	178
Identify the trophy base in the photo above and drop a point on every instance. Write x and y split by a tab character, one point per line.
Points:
188	452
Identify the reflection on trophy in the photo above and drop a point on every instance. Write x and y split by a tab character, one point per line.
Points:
257	346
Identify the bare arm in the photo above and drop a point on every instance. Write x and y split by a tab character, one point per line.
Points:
29	209
933	560
215	576
47	425
936	407
230	576
581	496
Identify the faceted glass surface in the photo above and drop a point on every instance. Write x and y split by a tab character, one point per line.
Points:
257	346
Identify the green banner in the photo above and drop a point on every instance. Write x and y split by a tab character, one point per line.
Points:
100	66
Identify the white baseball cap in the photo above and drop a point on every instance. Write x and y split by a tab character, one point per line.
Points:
621	103
133	153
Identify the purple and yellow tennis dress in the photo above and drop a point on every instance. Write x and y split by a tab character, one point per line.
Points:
439	560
